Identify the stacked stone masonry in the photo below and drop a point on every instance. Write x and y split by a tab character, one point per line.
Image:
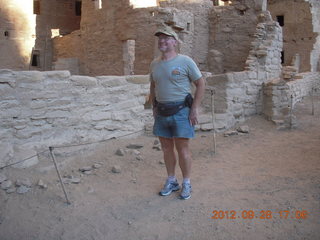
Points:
42	109
280	97
239	94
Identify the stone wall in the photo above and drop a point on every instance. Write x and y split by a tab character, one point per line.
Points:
239	94
280	97
41	109
22	30
105	35
195	37
17	33
232	30
315	54
299	36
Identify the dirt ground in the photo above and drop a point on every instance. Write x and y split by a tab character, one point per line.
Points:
271	173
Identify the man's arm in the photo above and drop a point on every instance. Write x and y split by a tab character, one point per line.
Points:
152	96
198	96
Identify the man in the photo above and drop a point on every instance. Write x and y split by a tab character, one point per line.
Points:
171	76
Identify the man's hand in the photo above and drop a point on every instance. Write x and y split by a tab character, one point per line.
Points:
193	116
154	112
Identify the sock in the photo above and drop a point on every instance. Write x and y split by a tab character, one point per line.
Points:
186	181
171	178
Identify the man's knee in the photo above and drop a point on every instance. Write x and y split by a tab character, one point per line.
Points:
167	144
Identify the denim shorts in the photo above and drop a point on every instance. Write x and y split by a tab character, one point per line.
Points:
174	126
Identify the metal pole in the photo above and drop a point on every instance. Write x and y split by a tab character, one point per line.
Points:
60	179
290	113
312	102
212	119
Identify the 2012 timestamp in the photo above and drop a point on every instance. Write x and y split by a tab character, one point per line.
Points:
259	214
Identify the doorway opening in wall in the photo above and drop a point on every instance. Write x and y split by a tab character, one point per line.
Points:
78	5
36	7
6	34
280	20
282	57
35	58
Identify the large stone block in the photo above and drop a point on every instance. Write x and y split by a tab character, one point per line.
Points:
29	77
8	76
98	116
138	79
6	153
83	81
112	81
56	75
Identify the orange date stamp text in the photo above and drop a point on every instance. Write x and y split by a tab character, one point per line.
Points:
259	214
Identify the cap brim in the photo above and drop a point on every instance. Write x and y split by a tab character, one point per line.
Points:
165	33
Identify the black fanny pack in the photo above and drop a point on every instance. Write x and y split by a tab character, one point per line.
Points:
171	109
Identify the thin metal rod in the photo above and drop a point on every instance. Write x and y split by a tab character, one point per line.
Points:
312	102
58	172
212	119
290	114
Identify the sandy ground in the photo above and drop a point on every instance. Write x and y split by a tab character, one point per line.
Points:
265	171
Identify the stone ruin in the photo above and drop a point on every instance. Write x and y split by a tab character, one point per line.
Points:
80	73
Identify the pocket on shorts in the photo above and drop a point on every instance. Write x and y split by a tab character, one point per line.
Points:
183	114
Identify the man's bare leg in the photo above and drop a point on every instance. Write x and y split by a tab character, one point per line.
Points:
182	146
167	145
185	161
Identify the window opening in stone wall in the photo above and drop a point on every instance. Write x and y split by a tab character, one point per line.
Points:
143	4
224	2
242	12
36	7
280	20
35	58
6	33
78	5
282	57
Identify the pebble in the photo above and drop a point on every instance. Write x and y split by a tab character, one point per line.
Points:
23	182
42	185
86	168
11	190
22	189
116	169
139	158
2	177
120	152
135	146
161	162
6	184
97	165
66	180
75	180
230	133
243	129
157	147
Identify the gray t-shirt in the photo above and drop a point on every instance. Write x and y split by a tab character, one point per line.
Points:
173	78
